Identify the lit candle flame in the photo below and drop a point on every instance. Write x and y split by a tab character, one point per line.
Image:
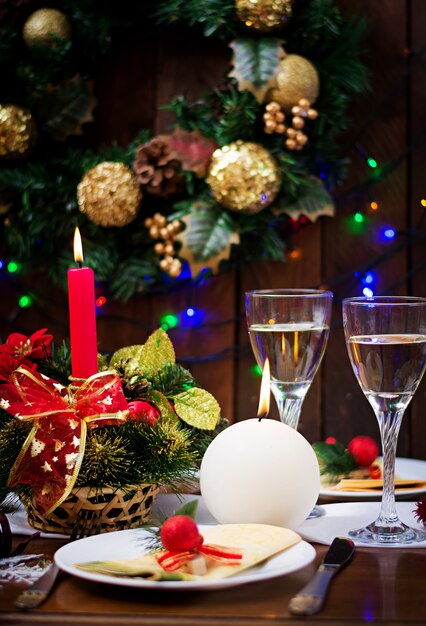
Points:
78	247
265	391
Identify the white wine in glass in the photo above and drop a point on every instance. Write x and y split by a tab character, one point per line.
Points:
290	327
386	341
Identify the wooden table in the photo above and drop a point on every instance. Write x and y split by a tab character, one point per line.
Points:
385	586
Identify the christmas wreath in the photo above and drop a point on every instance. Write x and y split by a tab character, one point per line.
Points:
241	169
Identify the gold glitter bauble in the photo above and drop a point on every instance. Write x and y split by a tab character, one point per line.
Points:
264	15
43	24
244	177
296	79
109	194
17	131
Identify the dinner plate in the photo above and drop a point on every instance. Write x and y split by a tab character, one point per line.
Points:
404	469
125	544
341	517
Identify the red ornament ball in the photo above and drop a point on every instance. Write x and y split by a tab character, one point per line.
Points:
180	533
364	450
141	411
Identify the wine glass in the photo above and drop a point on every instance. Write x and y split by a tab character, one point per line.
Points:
290	327
386	341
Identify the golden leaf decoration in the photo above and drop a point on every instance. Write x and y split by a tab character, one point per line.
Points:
157	352
197	407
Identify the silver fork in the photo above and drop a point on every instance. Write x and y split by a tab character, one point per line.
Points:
87	524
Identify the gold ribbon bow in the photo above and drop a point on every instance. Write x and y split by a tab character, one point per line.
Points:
52	454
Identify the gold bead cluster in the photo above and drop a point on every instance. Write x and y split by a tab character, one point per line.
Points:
161	229
274	119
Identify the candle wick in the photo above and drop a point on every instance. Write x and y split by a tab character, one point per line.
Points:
80	264
262	415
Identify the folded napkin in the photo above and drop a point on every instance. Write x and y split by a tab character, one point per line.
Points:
257	542
369	484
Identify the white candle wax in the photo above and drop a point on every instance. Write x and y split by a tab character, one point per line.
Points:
260	472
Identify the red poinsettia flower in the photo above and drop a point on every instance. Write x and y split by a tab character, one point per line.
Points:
9	363
36	346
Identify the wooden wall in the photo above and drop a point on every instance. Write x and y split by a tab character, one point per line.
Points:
143	74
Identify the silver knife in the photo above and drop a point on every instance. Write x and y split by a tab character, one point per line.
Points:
311	598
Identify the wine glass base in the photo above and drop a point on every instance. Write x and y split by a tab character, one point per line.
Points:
317	511
399	533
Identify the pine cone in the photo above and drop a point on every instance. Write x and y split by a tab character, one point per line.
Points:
158	171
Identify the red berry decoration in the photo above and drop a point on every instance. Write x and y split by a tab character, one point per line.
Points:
180	533
331	440
141	411
364	450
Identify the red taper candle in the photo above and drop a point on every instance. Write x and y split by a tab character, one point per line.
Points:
81	298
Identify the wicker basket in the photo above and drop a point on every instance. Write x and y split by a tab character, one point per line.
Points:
119	509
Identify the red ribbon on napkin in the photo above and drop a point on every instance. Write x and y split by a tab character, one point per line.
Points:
174	559
52	454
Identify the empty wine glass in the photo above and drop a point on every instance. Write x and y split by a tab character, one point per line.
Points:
290	327
386	341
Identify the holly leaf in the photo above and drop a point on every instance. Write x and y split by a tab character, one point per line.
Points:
189	509
197	407
207	238
334	458
314	201
256	62
192	149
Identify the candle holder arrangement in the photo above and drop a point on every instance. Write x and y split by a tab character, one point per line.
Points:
105	444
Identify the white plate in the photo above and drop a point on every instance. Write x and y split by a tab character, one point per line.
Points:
128	543
341	517
404	468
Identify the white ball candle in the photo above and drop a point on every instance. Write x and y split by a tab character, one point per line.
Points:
260	472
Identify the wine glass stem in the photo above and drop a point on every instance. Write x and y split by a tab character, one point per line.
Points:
288	408
389	424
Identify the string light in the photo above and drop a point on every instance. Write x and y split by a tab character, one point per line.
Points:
294	254
359	218
368	278
372	162
374	206
368	293
168	321
191	317
389	233
100	301
1	264
423	202
12	267
256	370
24	301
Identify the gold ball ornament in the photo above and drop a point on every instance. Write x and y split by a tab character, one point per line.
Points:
243	177
109	194
264	15
44	26
296	79
17	131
